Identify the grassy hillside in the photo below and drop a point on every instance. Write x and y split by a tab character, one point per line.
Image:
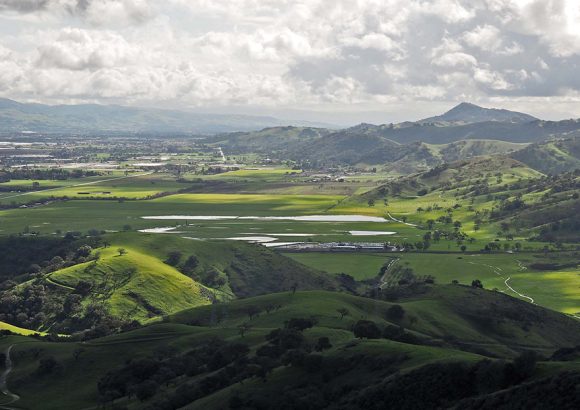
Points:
442	324
432	311
246	269
139	276
552	157
268	140
17	330
421	156
134	285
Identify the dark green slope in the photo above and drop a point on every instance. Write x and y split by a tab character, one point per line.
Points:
443	327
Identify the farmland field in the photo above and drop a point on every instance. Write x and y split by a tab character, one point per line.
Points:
555	289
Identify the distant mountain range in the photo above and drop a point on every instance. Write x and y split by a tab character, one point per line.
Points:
103	119
463	132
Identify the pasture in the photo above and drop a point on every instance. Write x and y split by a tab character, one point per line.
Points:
116	185
555	289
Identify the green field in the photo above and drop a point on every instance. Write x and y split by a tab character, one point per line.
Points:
558	290
132	186
358	265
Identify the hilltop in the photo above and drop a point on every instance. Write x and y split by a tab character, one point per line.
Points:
466	113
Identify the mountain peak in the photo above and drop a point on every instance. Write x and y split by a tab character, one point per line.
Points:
466	113
465	106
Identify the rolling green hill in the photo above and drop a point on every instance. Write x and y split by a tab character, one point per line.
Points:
482	194
552	157
200	358
269	140
421	156
143	276
134	285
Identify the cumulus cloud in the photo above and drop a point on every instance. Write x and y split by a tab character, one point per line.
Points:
93	11
23	6
329	53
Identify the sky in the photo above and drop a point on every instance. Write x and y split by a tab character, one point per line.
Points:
335	61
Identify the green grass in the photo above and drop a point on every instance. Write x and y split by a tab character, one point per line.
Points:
358	265
133	186
140	285
18	330
558	290
133	283
260	173
102	215
442	312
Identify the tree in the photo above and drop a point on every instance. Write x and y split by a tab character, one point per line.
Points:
48	365
366	329
173	258
122	251
299	324
243	328
343	312
430	224
395	313
252	311
83	287
476	283
190	264
72	304
294	287
463	248
84	251
371	202
78	352
146	389
323	343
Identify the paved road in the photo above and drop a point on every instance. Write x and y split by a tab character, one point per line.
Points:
398	220
499	271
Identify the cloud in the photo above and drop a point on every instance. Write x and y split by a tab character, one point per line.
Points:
75	49
324	53
23	6
96	12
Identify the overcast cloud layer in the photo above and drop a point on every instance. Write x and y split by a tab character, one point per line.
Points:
374	60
